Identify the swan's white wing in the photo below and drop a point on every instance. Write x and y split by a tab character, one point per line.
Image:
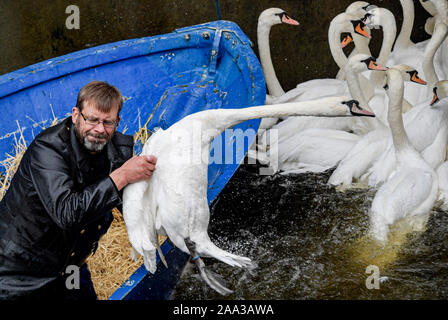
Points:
359	158
139	220
442	173
383	166
401	196
314	150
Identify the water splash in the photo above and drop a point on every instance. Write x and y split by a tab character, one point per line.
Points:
311	242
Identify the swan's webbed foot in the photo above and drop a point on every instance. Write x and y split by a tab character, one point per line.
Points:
214	280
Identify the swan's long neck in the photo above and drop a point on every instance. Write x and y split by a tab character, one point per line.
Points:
225	118
404	38
389	33
438	36
272	83
334	35
394	115
354	87
362	43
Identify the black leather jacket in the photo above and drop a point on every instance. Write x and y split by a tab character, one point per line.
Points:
56	208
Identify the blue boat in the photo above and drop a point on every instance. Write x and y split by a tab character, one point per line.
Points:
162	79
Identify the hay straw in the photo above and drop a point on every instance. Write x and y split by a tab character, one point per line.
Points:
111	264
11	163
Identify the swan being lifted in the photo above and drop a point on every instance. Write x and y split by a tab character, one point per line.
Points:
174	201
411	192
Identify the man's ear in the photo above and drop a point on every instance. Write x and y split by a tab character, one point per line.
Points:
75	114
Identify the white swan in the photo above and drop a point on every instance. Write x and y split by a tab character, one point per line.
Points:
429	7
437	154
308	90
356	64
411	192
438	37
313	150
405	51
427	56
369	147
358	10
286	133
428	141
266	20
382	17
360	88
174	201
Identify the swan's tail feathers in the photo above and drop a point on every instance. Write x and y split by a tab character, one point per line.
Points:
159	250
149	260
214	280
134	254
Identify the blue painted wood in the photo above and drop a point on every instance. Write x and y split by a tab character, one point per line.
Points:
162	78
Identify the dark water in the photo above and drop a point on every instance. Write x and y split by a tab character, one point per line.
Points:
309	243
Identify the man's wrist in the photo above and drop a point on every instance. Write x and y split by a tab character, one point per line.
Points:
118	178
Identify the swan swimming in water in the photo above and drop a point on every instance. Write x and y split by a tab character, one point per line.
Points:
326	142
369	147
266	20
174	201
429	142
440	101
411	192
273	16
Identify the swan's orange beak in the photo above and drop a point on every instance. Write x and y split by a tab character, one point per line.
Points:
346	41
375	66
289	20
362	30
361	112
435	97
358	111
415	78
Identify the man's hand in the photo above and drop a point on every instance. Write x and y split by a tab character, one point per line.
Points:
135	169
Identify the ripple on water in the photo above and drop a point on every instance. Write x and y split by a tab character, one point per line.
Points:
310	242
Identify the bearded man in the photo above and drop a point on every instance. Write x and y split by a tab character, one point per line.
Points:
60	200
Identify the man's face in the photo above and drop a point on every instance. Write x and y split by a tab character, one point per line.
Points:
94	136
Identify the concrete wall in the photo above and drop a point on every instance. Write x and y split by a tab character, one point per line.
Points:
32	31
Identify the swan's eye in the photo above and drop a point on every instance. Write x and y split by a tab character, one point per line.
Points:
369	62
280	15
350	103
367	16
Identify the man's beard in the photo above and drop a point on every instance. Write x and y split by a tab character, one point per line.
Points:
95	146
89	145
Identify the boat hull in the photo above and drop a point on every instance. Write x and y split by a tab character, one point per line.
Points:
162	79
